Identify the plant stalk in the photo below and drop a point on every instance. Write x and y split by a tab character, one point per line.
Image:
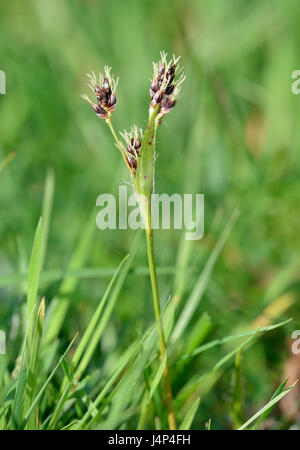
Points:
141	188
162	341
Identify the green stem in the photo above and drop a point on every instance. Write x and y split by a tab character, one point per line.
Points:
143	184
162	341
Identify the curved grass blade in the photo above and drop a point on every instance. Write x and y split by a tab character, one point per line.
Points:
60	307
237	413
267	407
221	341
91	344
131	352
122	363
158	376
191	386
46	210
34	270
60	404
93	323
151	390
198	291
188	420
268	412
33	356
52	275
17	407
42	390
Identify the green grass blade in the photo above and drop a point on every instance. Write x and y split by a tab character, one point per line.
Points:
267	407
42	390
17	407
33	356
180	279
278	391
232	337
32	289
123	401
61	304
60	404
84	342
179	284
198	333
198	291
52	275
158	376
188	420
34	270
191	386
46	210
94	339
237	414
123	362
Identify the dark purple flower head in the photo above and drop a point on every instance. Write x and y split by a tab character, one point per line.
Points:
105	91
165	85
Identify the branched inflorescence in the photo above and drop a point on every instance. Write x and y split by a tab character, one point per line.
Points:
164	89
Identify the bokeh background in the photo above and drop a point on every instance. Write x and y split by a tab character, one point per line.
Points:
234	136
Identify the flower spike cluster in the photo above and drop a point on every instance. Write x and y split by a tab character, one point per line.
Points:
133	140
105	90
165	85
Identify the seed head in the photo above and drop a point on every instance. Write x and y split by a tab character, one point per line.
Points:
133	141
165	85
105	91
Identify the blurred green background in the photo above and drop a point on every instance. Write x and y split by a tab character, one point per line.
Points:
234	136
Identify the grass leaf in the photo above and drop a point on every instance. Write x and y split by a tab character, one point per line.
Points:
88	334
237	404
278	391
34	270
158	376
42	390
114	294
198	291
267	407
232	337
188	420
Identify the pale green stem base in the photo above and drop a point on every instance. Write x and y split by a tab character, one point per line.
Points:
162	342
